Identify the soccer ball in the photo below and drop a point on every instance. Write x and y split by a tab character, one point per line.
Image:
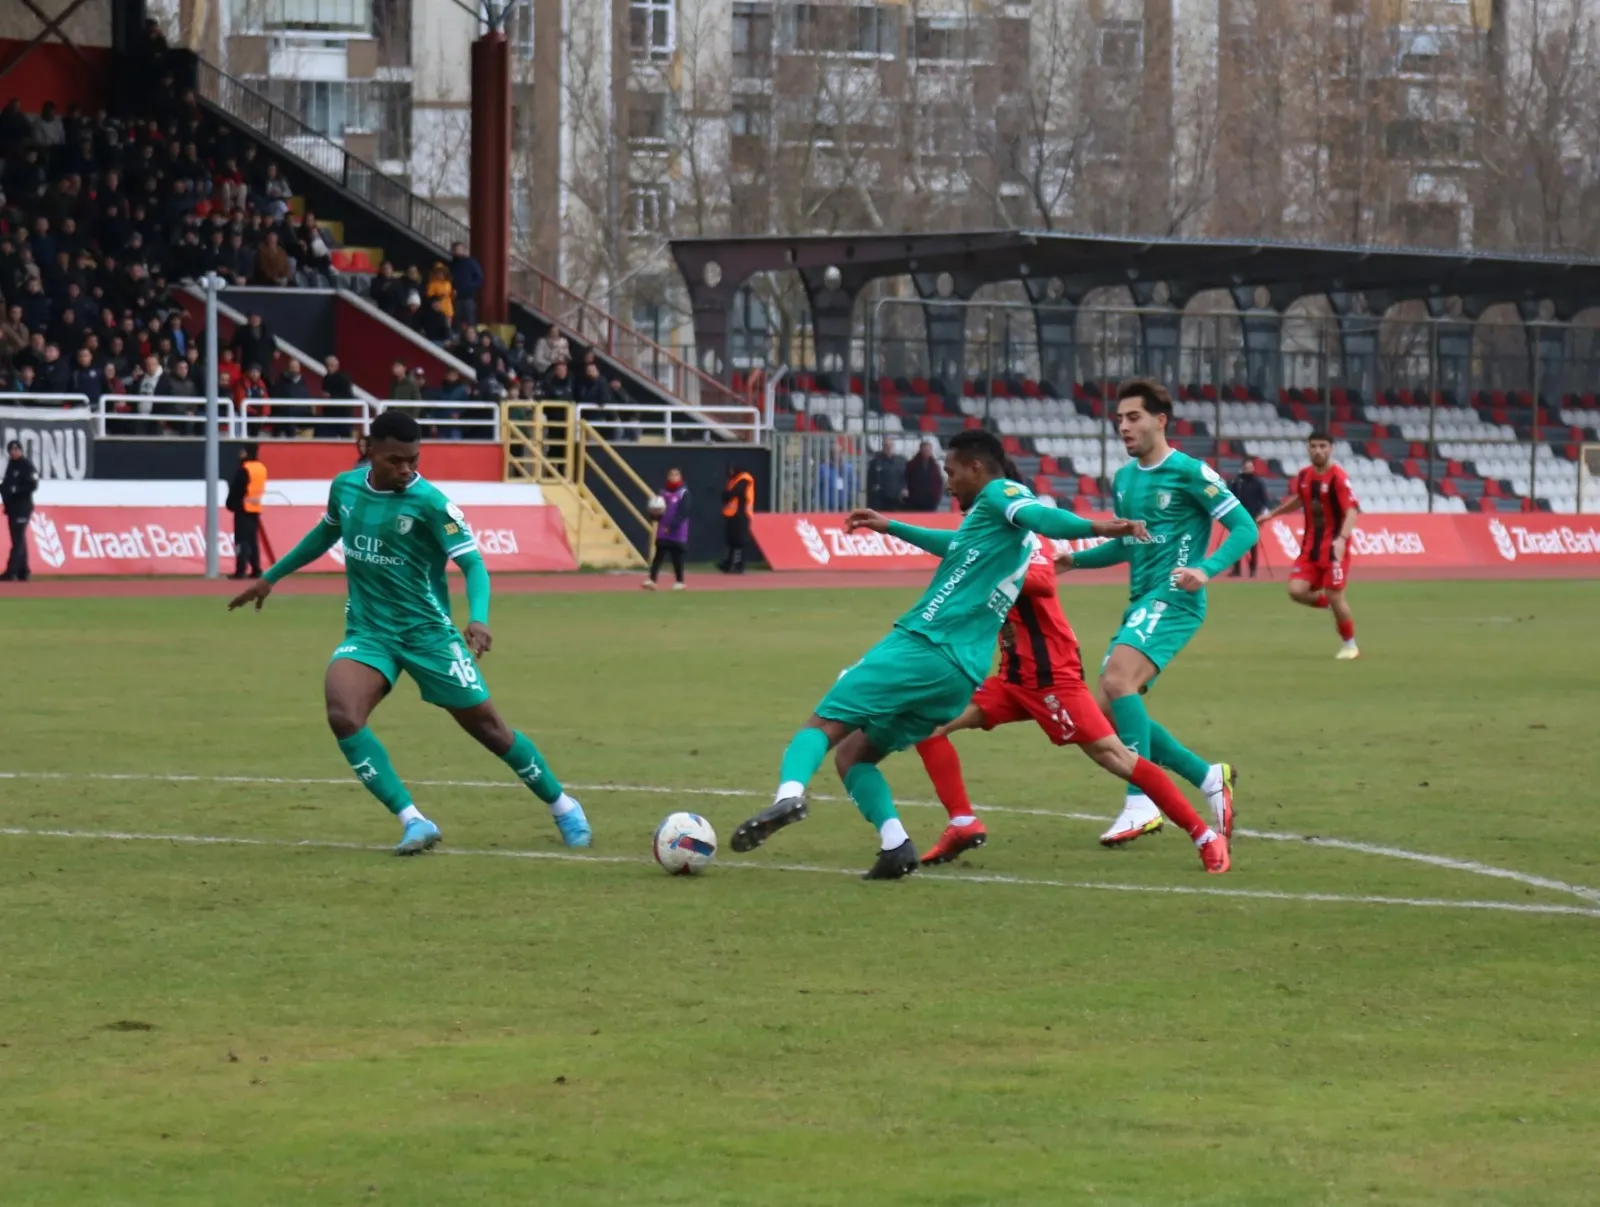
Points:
685	844
657	507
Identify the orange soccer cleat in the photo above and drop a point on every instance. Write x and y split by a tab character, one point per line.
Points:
954	841
1214	855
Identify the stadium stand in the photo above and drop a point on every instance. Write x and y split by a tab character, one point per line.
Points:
1482	459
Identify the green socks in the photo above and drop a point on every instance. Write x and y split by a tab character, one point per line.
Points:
804	755
1166	751
1133	727
524	759
370	761
867	787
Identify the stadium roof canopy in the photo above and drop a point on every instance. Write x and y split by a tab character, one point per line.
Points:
1161	272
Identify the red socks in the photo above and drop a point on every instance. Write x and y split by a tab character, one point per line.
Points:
1347	629
1319	600
1155	784
944	769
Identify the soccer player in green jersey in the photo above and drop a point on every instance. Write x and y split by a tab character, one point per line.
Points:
398	532
1177	497
923	673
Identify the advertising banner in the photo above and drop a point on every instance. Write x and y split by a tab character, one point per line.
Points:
1507	545
68	540
59	441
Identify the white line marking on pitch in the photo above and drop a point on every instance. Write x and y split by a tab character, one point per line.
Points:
1510	907
1340	844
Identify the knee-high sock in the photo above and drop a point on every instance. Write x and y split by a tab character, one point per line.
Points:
370	761
1158	786
870	791
802	757
943	765
524	759
1133	727
1347	628
1166	751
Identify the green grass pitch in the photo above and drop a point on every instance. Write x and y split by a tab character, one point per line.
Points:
287	1015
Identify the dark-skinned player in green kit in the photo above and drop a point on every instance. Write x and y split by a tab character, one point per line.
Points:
1178	498
923	674
399	532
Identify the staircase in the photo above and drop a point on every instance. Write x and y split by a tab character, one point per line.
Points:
544	300
601	498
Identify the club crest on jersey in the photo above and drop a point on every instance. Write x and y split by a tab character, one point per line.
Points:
1164	499
404	524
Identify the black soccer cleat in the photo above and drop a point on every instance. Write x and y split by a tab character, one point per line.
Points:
751	834
895	864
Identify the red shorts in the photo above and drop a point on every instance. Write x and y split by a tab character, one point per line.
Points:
1068	715
1322	576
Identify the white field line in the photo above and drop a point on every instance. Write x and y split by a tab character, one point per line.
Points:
948	877
1449	863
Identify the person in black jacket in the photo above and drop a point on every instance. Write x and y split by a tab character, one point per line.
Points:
1252	496
16	492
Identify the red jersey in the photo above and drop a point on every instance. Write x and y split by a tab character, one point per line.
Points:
1326	499
1038	648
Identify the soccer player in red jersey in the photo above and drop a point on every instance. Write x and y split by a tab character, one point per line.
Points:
1041	679
1322	491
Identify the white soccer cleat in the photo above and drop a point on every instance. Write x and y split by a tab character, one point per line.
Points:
1139	817
1347	653
649	584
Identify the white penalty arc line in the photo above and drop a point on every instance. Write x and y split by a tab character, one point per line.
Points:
1449	863
948	877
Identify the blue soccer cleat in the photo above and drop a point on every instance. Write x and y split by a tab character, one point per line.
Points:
574	827
420	835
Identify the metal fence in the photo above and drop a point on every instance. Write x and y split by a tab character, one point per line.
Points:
1262	351
814	471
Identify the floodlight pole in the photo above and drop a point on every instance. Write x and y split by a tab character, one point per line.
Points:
212	284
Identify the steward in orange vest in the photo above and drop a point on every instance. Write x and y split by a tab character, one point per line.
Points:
246	493
738	501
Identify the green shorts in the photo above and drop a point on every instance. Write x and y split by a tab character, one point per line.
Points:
899	693
443	667
1158	628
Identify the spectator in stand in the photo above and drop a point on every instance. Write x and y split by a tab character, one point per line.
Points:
336	382
181	386
386	292
55	375
315	248
25	383
836	483
13	333
549	349
517	356
435	323
414	282
272	262
35	304
293	401
253	344
16	129
886	479
228	188
117	357
86	379
275	193
452	390
411	313
441	289
228	373
178	333
558	386
591	388
672	531
467	275
250	395
48	129
150	384
924	480
16	496
404	386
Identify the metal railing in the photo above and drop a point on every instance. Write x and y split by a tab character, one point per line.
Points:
163	417
630	424
570	312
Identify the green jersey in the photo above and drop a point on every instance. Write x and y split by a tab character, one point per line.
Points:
396	546
978	580
1178	500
